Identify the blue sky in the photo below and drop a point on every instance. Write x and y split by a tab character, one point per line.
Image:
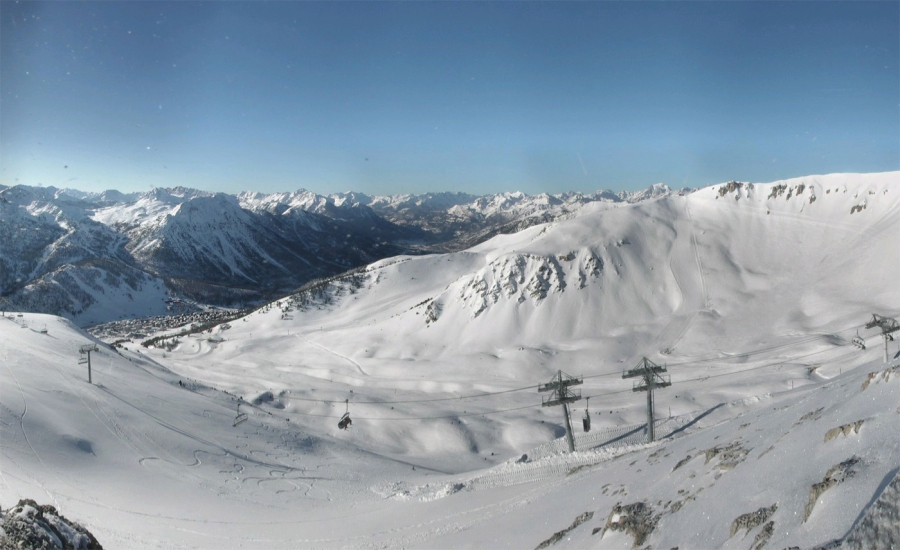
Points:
429	96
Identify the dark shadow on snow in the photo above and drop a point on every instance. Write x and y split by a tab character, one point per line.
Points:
694	421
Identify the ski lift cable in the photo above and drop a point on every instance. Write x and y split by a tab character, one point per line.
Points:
760	367
746	354
457	398
465	414
742	371
599	375
804	340
605	394
500	411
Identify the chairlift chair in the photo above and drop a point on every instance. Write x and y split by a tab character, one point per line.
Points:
586	421
345	421
240	418
858	342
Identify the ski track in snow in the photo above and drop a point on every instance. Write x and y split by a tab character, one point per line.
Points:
25	433
704	288
344	357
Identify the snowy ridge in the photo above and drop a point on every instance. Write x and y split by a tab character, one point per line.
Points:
680	249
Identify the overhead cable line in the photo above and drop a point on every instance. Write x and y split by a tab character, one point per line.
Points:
742	371
599	375
804	340
457	398
605	394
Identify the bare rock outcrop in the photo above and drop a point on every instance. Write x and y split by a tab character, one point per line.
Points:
845	430
31	525
558	536
752	520
836	474
636	519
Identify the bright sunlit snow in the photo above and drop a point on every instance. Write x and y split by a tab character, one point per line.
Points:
776	431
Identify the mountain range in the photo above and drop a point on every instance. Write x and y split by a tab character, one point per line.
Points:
98	257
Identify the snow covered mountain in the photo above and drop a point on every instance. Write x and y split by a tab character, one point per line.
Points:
54	257
446	221
78	255
344	208
776	432
669	269
456	221
98	257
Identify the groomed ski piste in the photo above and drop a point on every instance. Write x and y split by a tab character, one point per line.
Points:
776	431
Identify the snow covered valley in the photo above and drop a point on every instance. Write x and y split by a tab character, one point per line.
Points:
776	431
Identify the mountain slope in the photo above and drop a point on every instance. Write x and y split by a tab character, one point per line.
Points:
216	249
677	271
724	284
42	230
145	458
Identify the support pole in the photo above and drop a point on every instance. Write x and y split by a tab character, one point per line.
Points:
650	434
569	437
649	374
562	395
86	350
887	326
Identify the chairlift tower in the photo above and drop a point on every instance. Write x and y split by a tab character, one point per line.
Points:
887	326
648	371
562	395
86	350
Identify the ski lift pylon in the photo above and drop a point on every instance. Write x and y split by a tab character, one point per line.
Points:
586	421
345	421
240	418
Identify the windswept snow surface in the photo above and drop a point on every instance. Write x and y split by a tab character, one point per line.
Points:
777	431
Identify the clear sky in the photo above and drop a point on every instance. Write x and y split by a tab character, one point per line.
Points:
477	97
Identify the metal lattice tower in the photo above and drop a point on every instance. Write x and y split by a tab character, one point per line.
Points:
887	326
562	395
86	350
648	371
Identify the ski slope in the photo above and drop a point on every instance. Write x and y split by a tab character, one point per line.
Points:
146	463
748	297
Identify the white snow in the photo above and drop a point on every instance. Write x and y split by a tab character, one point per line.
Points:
748	296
